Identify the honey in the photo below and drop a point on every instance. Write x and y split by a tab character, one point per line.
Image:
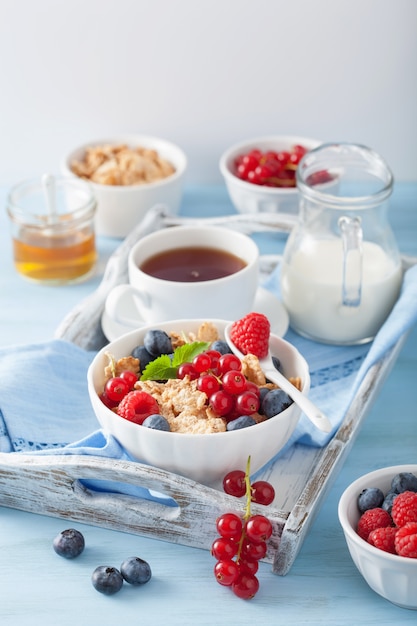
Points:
52	222
55	259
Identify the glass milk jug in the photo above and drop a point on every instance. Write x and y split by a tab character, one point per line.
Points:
341	270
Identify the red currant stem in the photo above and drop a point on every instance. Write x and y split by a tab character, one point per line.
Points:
248	491
112	364
247	513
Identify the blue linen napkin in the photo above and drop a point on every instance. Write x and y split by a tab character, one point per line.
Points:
45	407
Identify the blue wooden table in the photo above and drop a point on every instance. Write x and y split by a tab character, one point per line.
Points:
323	586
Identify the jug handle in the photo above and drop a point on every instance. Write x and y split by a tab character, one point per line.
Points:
350	228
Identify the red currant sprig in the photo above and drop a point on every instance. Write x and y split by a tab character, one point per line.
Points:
242	542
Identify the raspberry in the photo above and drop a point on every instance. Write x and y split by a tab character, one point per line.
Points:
383	538
251	334
404	508
372	519
136	406
406	540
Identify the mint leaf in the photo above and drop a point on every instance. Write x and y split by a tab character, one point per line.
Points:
165	367
186	353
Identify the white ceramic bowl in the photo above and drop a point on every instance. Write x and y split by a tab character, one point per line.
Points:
250	198
121	208
205	458
392	577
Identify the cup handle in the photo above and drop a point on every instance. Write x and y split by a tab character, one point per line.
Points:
352	236
114	305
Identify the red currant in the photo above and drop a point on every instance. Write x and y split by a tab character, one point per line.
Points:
130	377
253	551
247	403
229	526
234	483
283	156
258	528
116	388
248	566
234	382
246	586
228	362
214	356
208	384
110	404
202	362
226	572
253	387
222	403
224	549
262	492
187	369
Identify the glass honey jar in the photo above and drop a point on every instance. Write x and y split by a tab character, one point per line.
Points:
52	225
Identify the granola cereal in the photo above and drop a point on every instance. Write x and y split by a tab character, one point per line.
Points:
122	165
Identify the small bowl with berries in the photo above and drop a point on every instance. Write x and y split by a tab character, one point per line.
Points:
378	515
176	397
260	173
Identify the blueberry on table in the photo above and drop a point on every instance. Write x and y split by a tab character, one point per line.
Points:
107	579
135	571
69	543
157	342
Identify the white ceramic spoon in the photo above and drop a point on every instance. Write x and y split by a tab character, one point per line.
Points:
309	409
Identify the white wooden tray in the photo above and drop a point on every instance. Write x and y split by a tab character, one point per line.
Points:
52	485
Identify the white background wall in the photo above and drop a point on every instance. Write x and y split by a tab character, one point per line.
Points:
205	74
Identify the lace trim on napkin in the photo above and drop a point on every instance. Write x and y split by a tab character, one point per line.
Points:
21	445
325	375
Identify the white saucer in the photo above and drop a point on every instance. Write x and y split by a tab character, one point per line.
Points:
265	302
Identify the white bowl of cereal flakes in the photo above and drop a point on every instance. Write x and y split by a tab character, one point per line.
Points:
172	418
129	175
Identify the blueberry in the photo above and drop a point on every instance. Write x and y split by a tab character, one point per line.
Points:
241	422
135	571
370	498
388	501
220	346
157	422
107	580
262	393
277	363
275	401
69	543
404	481
157	342
141	353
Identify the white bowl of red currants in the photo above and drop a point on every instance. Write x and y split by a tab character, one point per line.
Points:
260	173
175	427
378	515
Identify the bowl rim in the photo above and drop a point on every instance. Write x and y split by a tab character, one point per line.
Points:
231	152
132	139
351	492
194	437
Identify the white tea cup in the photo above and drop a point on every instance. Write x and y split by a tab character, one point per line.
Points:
202	293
